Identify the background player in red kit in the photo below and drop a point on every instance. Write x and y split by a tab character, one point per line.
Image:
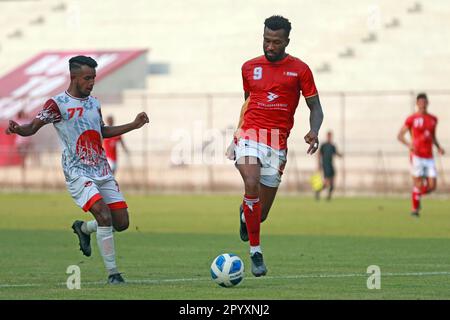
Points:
422	127
272	87
110	146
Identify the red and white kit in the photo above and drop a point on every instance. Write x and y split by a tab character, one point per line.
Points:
88	175
274	90
110	146
422	128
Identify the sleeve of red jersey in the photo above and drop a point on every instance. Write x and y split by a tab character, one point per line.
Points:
435	125
409	122
307	84
244	79
50	112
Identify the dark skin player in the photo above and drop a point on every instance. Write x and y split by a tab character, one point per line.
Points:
274	46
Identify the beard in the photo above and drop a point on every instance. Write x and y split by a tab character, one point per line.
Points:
274	58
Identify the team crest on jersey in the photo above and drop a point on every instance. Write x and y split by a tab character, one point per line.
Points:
271	96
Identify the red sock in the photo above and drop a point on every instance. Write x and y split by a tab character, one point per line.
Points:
424	190
415	199
252	213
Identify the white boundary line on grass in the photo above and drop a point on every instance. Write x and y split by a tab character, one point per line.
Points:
299	276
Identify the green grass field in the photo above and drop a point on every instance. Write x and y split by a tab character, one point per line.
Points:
313	250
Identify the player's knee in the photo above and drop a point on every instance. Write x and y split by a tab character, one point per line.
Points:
122	226
104	218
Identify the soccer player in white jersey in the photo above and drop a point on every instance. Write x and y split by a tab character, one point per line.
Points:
77	119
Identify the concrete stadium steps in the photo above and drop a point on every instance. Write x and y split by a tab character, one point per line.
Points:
209	40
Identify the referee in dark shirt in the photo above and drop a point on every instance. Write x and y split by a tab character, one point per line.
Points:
327	152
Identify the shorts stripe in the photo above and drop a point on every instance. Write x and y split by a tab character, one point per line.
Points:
118	205
91	201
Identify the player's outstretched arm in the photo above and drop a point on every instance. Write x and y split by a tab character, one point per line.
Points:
315	122
438	146
113	131
25	130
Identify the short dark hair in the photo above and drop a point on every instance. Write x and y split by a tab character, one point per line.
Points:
79	61
278	22
422	96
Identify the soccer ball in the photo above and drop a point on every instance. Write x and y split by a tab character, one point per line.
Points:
227	270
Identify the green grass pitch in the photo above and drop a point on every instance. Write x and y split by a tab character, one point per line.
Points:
313	250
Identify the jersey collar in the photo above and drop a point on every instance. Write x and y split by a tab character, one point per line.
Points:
81	99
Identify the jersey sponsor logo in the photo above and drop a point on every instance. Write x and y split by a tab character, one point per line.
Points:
271	96
291	74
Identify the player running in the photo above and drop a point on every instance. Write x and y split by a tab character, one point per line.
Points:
422	127
110	146
77	119
272	86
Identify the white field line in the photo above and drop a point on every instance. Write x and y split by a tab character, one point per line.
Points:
299	276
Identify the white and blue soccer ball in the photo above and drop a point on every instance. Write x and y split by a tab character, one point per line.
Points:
227	270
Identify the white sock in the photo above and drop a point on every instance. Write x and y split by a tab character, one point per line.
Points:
105	241
254	249
89	227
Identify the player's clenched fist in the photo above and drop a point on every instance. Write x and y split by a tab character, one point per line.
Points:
12	128
313	141
141	119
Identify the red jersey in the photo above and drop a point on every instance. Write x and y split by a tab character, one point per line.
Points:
422	128
274	89
110	146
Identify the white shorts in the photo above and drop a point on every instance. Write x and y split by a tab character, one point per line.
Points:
272	161
86	191
422	167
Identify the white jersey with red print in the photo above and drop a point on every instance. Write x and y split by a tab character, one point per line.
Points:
78	123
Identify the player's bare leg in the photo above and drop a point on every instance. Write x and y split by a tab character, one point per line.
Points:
267	196
120	219
431	184
330	187
250	170
422	187
326	185
105	240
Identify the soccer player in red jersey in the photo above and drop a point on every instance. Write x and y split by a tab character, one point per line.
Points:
110	146
422	127
272	87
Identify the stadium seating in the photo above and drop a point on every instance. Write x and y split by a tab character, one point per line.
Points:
205	43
